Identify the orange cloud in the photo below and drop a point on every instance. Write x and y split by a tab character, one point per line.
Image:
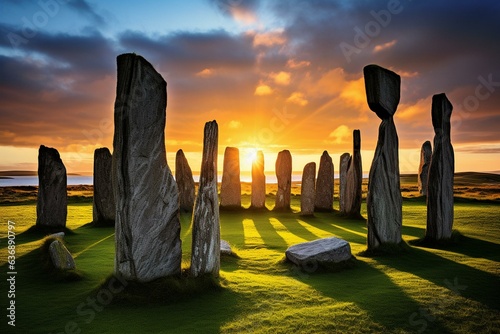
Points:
234	124
381	47
292	63
297	98
262	90
269	38
339	134
205	73
281	78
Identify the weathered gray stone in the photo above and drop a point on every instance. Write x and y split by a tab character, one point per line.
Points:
258	199
382	90
147	238
284	176
384	202
423	168
51	206
205	251
319	252
225	248
103	209
353	192
307	189
344	166
60	256
441	173
230	192
324	184
185	182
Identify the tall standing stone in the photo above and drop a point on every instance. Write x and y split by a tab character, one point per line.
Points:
205	250
185	182
230	192
353	192
384	202
284	176
51	206
441	173
423	168
344	166
103	208
324	184
147	238
307	189
258	182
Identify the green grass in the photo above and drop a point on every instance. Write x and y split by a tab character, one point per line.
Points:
431	290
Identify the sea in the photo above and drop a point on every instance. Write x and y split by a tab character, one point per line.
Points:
16	181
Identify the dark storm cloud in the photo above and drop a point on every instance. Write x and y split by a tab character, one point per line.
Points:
448	44
187	52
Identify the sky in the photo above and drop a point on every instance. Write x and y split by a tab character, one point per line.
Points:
274	74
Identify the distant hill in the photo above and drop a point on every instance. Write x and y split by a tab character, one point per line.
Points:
462	178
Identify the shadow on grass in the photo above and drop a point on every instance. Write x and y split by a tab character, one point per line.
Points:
460	279
462	244
387	304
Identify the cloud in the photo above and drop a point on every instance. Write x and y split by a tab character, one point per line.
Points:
262	90
205	73
240	10
384	46
234	124
269	38
296	64
281	78
297	98
339	135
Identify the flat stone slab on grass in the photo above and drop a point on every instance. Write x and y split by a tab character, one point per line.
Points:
322	251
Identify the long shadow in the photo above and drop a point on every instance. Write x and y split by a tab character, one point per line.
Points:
348	229
413	231
267	232
296	228
475	248
372	291
461	279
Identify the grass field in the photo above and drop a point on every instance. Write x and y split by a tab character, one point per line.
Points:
423	290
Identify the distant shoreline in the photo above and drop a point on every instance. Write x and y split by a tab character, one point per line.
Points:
9	174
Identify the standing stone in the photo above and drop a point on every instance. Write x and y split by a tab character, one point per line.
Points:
60	256
324	184
230	192
51	206
441	173
147	238
104	200
344	166
258	182
353	192
284	176
185	182
384	202
423	168
307	189
205	251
